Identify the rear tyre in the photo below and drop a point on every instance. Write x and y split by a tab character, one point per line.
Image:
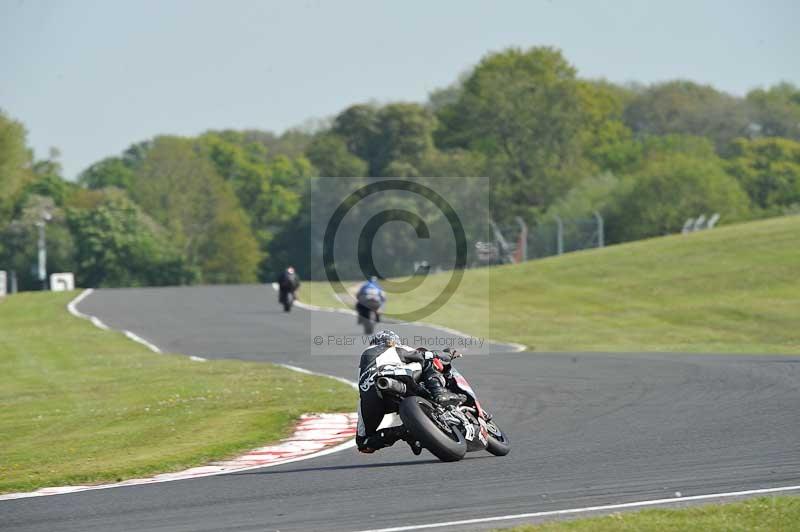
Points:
369	327
498	443
445	442
287	304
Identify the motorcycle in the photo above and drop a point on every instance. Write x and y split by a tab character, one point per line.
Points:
447	431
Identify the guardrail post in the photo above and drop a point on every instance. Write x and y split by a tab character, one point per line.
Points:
522	244
601	239
559	234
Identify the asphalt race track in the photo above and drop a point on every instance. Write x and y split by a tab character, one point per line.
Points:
586	430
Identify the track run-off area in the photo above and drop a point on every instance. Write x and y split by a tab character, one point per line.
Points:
590	432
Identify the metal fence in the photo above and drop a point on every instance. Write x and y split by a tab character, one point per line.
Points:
554	236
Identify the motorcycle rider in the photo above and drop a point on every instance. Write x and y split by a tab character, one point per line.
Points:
288	283
370	298
432	379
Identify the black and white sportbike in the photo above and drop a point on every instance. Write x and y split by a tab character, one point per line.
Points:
450	430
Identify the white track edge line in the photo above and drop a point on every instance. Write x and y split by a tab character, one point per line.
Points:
515	347
136	338
307	372
335	449
637	504
80	297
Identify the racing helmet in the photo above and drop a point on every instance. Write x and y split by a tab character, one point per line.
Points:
386	338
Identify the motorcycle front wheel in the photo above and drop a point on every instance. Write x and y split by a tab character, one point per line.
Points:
420	417
498	443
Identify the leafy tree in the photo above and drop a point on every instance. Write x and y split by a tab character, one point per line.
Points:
668	190
268	188
522	110
399	133
452	163
405	136
181	190
400	169
293	240
110	172
118	245
358	127
51	186
684	107
606	141
592	194
768	169
329	154
776	111
658	147
15	165
292	143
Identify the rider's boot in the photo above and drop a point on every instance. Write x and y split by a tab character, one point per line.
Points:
434	383
416	447
379	440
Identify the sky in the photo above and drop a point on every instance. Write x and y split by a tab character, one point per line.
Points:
91	77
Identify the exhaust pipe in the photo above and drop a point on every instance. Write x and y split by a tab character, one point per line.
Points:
386	384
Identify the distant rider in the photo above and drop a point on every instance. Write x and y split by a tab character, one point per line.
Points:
288	283
370	298
433	381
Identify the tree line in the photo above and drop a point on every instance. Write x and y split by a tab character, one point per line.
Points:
233	206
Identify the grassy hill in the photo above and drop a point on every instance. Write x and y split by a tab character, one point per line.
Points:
732	289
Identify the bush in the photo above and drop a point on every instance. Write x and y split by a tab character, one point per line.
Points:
667	191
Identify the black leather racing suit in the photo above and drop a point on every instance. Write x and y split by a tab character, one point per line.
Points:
371	407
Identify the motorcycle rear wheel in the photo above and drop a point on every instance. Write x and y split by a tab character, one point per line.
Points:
369	327
418	417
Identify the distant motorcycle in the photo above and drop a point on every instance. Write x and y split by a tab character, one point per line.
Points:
448	432
287	284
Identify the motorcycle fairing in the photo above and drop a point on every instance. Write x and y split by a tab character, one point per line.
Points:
392	419
387	363
464	386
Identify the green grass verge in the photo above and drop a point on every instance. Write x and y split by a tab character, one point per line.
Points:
81	405
765	513
734	289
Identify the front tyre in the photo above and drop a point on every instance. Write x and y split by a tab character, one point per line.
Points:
446	442
498	443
